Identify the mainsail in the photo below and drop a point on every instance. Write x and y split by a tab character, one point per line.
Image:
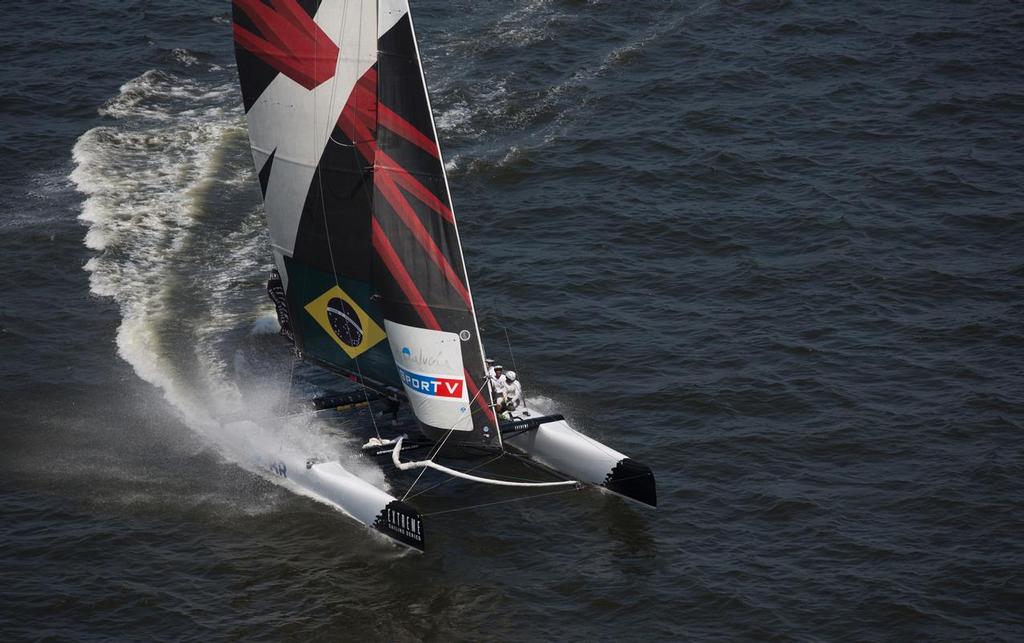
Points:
358	206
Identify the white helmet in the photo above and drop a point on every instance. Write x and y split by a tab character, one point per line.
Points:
510	376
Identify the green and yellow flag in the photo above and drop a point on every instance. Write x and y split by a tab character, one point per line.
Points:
345	322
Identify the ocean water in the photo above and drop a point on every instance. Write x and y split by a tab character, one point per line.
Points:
771	248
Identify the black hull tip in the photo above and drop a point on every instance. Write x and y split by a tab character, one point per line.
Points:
633	480
400	521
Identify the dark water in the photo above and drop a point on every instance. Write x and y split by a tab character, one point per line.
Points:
771	248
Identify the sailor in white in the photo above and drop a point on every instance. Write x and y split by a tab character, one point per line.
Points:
497	381
513	391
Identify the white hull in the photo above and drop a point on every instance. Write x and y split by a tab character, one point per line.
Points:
559	447
331	483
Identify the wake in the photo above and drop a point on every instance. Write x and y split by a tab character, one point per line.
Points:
174	220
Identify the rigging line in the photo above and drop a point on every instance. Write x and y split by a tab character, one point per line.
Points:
376	97
339	143
502	502
508	342
437	449
320	179
469	409
497	477
449	479
419	464
366	396
320	186
341	44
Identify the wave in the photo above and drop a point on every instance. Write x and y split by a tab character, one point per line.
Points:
161	95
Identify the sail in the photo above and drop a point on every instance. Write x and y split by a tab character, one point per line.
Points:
304	66
421	275
358	206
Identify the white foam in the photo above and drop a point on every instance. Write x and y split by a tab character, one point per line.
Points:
161	95
453	117
526	25
266	325
145	179
185	57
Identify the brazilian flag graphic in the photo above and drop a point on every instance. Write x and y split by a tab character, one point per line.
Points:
345	322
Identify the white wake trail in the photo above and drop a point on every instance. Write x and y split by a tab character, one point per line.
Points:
176	267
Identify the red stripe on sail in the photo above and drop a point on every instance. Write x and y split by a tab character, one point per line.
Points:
289	41
398	271
357	131
389	189
359	118
363	101
362	104
414	186
408	131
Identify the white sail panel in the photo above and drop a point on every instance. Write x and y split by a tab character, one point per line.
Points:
390	12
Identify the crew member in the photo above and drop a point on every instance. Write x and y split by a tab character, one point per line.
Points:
513	391
497	376
498	388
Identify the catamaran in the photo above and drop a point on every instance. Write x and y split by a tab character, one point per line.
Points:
370	280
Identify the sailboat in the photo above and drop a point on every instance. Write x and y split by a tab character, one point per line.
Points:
370	280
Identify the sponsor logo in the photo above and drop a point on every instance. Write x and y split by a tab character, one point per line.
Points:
401	522
345	322
430	385
404	524
423	359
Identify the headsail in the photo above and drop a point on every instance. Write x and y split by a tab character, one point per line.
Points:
358	205
422	276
